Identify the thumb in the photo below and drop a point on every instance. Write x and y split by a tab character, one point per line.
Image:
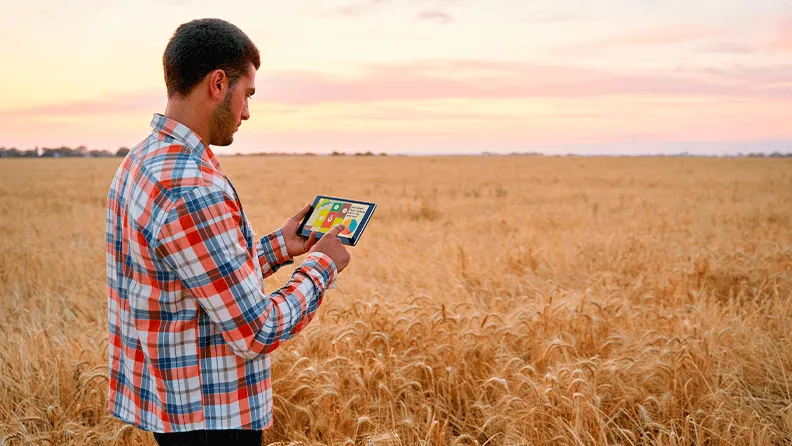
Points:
311	241
302	213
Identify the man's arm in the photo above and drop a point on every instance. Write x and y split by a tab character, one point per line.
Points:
202	242
272	253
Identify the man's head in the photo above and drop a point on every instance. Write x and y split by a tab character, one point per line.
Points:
213	63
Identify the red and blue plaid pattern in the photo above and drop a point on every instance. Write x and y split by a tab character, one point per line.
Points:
190	325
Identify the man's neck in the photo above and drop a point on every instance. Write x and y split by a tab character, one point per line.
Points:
184	113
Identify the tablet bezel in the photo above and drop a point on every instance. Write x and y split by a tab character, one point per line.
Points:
344	240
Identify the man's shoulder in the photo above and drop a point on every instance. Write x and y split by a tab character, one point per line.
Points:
174	166
163	172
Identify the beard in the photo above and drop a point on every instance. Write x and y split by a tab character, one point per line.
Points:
222	123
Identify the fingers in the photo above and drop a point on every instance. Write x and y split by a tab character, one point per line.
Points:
302	213
311	241
335	231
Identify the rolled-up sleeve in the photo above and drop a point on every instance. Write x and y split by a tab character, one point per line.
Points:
272	253
202	242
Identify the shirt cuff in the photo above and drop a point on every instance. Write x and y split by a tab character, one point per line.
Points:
321	269
273	250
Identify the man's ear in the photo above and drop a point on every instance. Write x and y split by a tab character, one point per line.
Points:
218	84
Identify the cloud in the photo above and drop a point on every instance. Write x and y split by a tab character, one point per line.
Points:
547	17
436	16
359	8
661	35
409	112
127	103
177	2
768	75
783	39
435	12
501	80
729	48
47	13
461	79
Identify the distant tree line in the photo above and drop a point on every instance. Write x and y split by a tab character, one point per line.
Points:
369	153
60	152
772	155
83	152
333	153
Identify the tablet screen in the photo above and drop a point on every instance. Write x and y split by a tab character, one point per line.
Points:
329	212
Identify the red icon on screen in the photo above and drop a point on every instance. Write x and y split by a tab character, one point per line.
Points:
331	218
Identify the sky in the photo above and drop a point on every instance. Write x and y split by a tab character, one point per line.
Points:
419	76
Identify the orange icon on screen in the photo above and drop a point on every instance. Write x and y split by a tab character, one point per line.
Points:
346	224
331	217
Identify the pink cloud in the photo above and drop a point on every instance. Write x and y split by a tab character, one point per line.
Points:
479	80
363	7
547	17
661	35
411	127
783	40
408	112
726	47
662	122
431	80
767	76
436	16
127	103
359	8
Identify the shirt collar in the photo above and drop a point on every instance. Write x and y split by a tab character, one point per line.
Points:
182	133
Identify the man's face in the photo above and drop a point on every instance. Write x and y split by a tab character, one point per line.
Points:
229	114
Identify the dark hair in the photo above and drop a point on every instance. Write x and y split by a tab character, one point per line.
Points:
202	46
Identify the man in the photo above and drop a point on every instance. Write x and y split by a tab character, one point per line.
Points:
190	326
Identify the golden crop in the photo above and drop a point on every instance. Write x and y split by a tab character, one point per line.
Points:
492	300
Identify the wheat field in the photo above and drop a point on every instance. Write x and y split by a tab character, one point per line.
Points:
492	300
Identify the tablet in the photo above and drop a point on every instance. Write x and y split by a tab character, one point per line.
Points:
327	212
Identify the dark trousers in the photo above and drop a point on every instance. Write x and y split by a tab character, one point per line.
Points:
217	437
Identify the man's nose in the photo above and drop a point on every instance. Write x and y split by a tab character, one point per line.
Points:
245	113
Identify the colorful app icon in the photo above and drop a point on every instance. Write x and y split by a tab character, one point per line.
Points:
346	230
323	203
344	210
321	217
330	220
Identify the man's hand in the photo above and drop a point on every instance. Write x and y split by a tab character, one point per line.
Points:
297	245
331	246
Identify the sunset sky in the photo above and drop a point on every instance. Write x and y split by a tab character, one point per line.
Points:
419	76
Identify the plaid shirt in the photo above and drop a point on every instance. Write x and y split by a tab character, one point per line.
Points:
190	326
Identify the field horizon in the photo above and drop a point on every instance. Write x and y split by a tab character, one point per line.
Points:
492	300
